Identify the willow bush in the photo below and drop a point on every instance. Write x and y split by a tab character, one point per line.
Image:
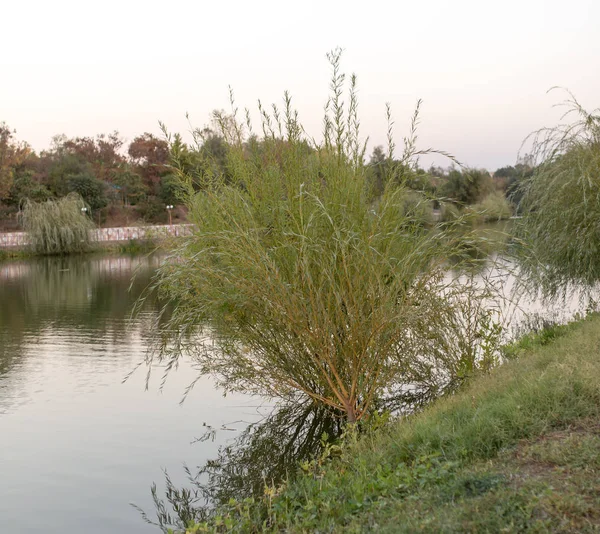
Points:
561	202
57	226
493	207
299	280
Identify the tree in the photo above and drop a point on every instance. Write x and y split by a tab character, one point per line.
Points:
131	186
294	283
26	187
467	187
57	226
149	156
561	203
12	156
378	170
91	190
101	154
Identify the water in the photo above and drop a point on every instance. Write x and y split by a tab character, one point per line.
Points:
77	445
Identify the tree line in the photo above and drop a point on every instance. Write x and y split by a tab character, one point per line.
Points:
119	182
124	182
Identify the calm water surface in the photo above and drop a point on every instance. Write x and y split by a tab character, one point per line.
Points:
77	445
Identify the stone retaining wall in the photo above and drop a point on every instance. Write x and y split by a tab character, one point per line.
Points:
108	235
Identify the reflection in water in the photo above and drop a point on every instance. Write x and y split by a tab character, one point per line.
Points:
48	302
264	453
77	445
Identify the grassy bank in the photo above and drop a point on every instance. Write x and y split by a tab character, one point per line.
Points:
123	247
518	450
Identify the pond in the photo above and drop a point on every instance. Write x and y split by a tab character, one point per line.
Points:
77	444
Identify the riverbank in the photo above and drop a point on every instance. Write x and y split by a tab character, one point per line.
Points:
19	240
517	450
123	239
113	247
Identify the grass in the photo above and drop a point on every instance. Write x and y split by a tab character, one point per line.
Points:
518	450
11	253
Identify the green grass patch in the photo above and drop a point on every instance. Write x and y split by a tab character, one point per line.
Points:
518	450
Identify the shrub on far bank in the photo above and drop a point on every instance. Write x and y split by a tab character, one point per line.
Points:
494	207
418	207
449	211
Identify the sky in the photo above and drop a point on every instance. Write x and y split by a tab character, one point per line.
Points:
482	68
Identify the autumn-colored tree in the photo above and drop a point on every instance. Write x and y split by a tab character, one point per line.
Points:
150	156
13	155
101	153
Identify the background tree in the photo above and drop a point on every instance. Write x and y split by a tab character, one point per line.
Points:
378	169
150	157
91	190
468	186
25	186
102	154
13	155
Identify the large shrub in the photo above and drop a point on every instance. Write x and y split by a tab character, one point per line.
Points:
296	282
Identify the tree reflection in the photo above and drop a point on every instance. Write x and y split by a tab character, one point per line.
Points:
86	298
265	453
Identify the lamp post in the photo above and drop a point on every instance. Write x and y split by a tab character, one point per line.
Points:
169	208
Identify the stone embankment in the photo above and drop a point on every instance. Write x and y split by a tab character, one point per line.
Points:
108	235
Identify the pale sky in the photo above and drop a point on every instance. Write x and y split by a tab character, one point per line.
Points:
482	68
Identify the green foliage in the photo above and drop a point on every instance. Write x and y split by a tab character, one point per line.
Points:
302	283
57	226
171	191
131	187
467	187
90	189
152	208
449	211
561	203
25	187
418	207
12	156
494	207
62	167
94	167
515	451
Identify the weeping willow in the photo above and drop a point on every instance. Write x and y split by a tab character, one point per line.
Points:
560	229
57	226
